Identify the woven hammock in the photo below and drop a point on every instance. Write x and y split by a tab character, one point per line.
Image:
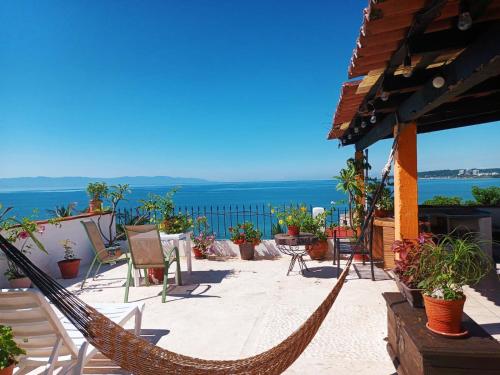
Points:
141	357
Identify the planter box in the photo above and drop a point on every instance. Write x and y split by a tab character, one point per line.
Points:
413	296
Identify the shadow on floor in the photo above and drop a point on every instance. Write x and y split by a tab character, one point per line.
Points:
323	272
489	288
364	272
206	277
154	335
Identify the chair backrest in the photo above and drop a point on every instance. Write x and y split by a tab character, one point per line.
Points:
145	246
35	325
95	239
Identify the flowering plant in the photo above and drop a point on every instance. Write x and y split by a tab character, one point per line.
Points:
408	266
245	233
68	249
179	223
292	215
316	225
204	240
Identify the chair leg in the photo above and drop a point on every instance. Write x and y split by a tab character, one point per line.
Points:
88	272
165	283
138	322
127	284
82	353
338	263
178	276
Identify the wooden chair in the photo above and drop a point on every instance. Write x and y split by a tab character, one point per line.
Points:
102	254
50	340
146	251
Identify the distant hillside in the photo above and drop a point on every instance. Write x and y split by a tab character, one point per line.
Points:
461	173
49	183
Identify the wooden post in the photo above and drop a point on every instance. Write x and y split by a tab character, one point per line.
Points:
405	184
360	179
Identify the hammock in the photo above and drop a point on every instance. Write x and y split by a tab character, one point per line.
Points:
141	357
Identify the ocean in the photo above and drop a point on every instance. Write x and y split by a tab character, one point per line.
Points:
314	193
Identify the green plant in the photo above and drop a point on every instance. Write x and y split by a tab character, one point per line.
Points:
204	240
97	190
291	215
408	265
180	223
450	263
316	225
9	351
63	211
385	201
160	207
245	233
67	245
489	196
440	200
114	195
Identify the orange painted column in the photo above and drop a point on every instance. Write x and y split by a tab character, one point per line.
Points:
405	184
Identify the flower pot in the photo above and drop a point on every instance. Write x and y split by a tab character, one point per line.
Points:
247	250
413	296
444	316
8	370
69	268
198	253
22	282
317	251
156	275
293	230
95	205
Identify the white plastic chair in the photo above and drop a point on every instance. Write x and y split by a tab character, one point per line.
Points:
50	340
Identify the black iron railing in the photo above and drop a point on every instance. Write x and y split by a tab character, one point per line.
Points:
221	218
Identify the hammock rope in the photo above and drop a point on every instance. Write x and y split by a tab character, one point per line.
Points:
141	357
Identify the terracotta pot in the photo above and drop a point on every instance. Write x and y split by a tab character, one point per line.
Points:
69	268
444	316
247	250
359	257
413	296
198	254
95	205
317	251
156	275
293	230
22	282
8	370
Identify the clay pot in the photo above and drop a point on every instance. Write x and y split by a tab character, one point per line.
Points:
293	230
69	268
156	275
21	283
198	254
95	205
247	250
317	251
444	316
8	370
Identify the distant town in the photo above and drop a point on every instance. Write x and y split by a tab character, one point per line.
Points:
462	173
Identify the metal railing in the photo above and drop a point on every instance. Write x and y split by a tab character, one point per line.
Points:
221	218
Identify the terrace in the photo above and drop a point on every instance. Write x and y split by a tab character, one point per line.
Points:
426	76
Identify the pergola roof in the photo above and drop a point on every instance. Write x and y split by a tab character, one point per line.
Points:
423	35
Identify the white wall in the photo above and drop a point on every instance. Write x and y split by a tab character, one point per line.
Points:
70	228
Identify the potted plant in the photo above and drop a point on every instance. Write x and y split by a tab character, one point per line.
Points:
204	240
96	192
385	204
293	217
9	351
316	226
407	271
246	237
449	264
70	265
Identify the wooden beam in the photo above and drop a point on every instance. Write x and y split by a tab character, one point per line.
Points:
478	63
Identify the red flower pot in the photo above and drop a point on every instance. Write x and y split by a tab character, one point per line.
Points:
8	370
198	254
444	316
247	250
21	283
95	205
317	251
293	230
156	275
69	268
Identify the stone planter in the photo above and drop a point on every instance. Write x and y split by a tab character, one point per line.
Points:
247	250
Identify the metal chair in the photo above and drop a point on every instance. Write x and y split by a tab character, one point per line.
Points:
146	251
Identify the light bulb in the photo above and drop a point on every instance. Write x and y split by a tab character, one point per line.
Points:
438	82
384	96
343	141
407	69
363	124
464	21
356	130
373	118
349	136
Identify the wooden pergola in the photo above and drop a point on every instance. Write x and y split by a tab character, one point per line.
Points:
421	66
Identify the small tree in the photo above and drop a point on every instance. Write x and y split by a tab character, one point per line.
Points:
489	196
115	194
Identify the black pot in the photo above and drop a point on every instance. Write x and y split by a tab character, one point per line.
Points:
247	250
413	296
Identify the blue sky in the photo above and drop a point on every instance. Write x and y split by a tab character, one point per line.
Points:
223	90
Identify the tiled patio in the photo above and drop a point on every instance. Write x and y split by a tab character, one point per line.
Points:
233	309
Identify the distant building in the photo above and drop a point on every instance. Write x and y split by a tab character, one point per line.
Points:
475	172
461	172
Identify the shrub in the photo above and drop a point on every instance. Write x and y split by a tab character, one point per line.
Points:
441	200
9	351
489	196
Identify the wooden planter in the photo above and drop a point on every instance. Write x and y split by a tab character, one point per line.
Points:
413	296
247	250
69	268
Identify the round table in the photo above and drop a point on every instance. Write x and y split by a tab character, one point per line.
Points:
295	246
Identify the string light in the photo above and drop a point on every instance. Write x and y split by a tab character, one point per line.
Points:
438	82
384	96
464	18
373	117
363	124
349	136
407	69
356	130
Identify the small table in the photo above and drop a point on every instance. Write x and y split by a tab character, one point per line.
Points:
176	237
291	245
